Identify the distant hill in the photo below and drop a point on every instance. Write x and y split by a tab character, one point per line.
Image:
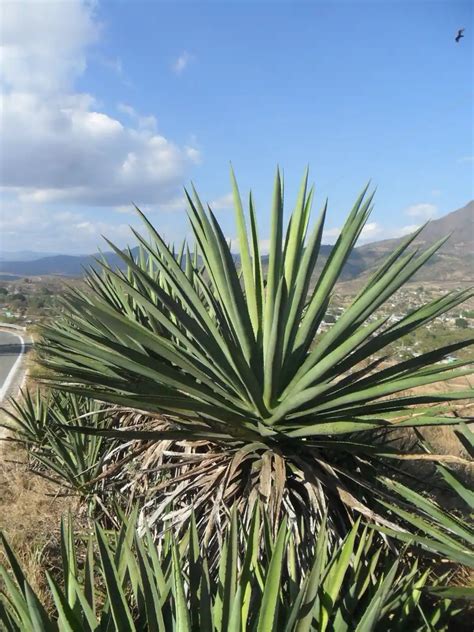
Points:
355	265
63	265
24	255
455	261
74	266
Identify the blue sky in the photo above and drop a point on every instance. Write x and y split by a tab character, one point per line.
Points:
109	102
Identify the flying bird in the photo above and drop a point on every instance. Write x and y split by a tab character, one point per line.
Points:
459	35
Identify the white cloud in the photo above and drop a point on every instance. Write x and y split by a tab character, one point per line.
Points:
124	208
147	122
60	146
223	203
375	232
330	235
87	226
370	231
193	154
63	150
424	210
264	246
182	62
466	159
44	44
67	231
407	230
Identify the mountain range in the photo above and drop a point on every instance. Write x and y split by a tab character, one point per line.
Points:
454	261
24	255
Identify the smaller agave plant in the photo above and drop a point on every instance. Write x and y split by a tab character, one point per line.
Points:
38	421
261	404
121	580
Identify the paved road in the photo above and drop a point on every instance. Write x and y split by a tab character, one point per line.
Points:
10	349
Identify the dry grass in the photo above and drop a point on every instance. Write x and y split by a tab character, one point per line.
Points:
35	372
443	438
30	512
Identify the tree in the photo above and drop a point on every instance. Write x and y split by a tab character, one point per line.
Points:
37	302
462	323
18	296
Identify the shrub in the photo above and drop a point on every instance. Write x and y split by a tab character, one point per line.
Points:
74	461
225	349
120	580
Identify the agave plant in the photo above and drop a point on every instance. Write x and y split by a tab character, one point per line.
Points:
74	461
224	347
446	533
121	580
